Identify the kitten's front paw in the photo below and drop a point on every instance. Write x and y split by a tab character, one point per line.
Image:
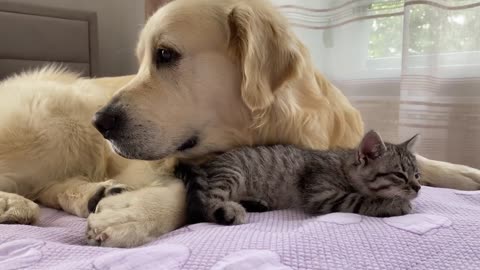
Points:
399	207
230	213
405	208
255	205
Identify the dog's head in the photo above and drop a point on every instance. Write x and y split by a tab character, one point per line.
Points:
206	68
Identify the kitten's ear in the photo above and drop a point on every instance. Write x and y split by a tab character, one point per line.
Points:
372	146
410	143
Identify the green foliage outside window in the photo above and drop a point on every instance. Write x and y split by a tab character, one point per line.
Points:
430	30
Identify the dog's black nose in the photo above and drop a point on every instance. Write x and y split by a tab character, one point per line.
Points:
105	122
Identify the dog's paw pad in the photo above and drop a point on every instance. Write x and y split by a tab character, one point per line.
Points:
95	237
231	213
105	191
101	237
115	189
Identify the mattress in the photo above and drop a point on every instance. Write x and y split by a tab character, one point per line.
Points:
443	232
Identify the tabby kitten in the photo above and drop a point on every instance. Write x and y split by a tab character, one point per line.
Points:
376	179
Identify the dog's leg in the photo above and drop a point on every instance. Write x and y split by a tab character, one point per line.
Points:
447	175
77	195
16	209
134	218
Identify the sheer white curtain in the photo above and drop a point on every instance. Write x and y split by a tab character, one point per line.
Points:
410	66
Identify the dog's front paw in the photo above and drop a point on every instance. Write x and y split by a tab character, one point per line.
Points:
108	188
116	222
136	217
230	213
454	177
472	174
15	209
448	175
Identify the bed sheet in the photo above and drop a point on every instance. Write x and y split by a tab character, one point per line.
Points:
443	232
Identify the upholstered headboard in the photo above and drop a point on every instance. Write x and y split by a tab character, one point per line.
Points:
32	36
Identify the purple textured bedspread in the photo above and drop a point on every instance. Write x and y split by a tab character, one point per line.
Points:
442	233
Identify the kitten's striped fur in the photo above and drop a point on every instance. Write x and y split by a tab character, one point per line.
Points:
377	179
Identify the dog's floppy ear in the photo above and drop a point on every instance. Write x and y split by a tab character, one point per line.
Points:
268	53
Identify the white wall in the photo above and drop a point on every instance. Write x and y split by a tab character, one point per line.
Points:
119	22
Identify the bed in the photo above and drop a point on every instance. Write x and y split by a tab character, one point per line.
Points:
443	232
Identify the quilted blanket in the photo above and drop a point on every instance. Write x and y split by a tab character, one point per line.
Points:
443	232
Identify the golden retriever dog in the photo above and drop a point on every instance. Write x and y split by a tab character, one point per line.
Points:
213	75
52	154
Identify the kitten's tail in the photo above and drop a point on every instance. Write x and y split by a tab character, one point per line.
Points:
195	182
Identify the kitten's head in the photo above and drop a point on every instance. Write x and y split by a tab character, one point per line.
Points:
384	169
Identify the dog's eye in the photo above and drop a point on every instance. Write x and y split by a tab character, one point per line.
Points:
166	56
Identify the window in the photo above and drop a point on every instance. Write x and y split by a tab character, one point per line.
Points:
431	33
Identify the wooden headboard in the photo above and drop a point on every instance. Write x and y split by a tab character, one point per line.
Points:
34	36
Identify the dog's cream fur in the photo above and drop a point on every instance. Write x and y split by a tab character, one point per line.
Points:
50	153
243	79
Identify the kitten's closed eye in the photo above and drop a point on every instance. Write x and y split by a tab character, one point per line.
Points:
401	176
398	177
